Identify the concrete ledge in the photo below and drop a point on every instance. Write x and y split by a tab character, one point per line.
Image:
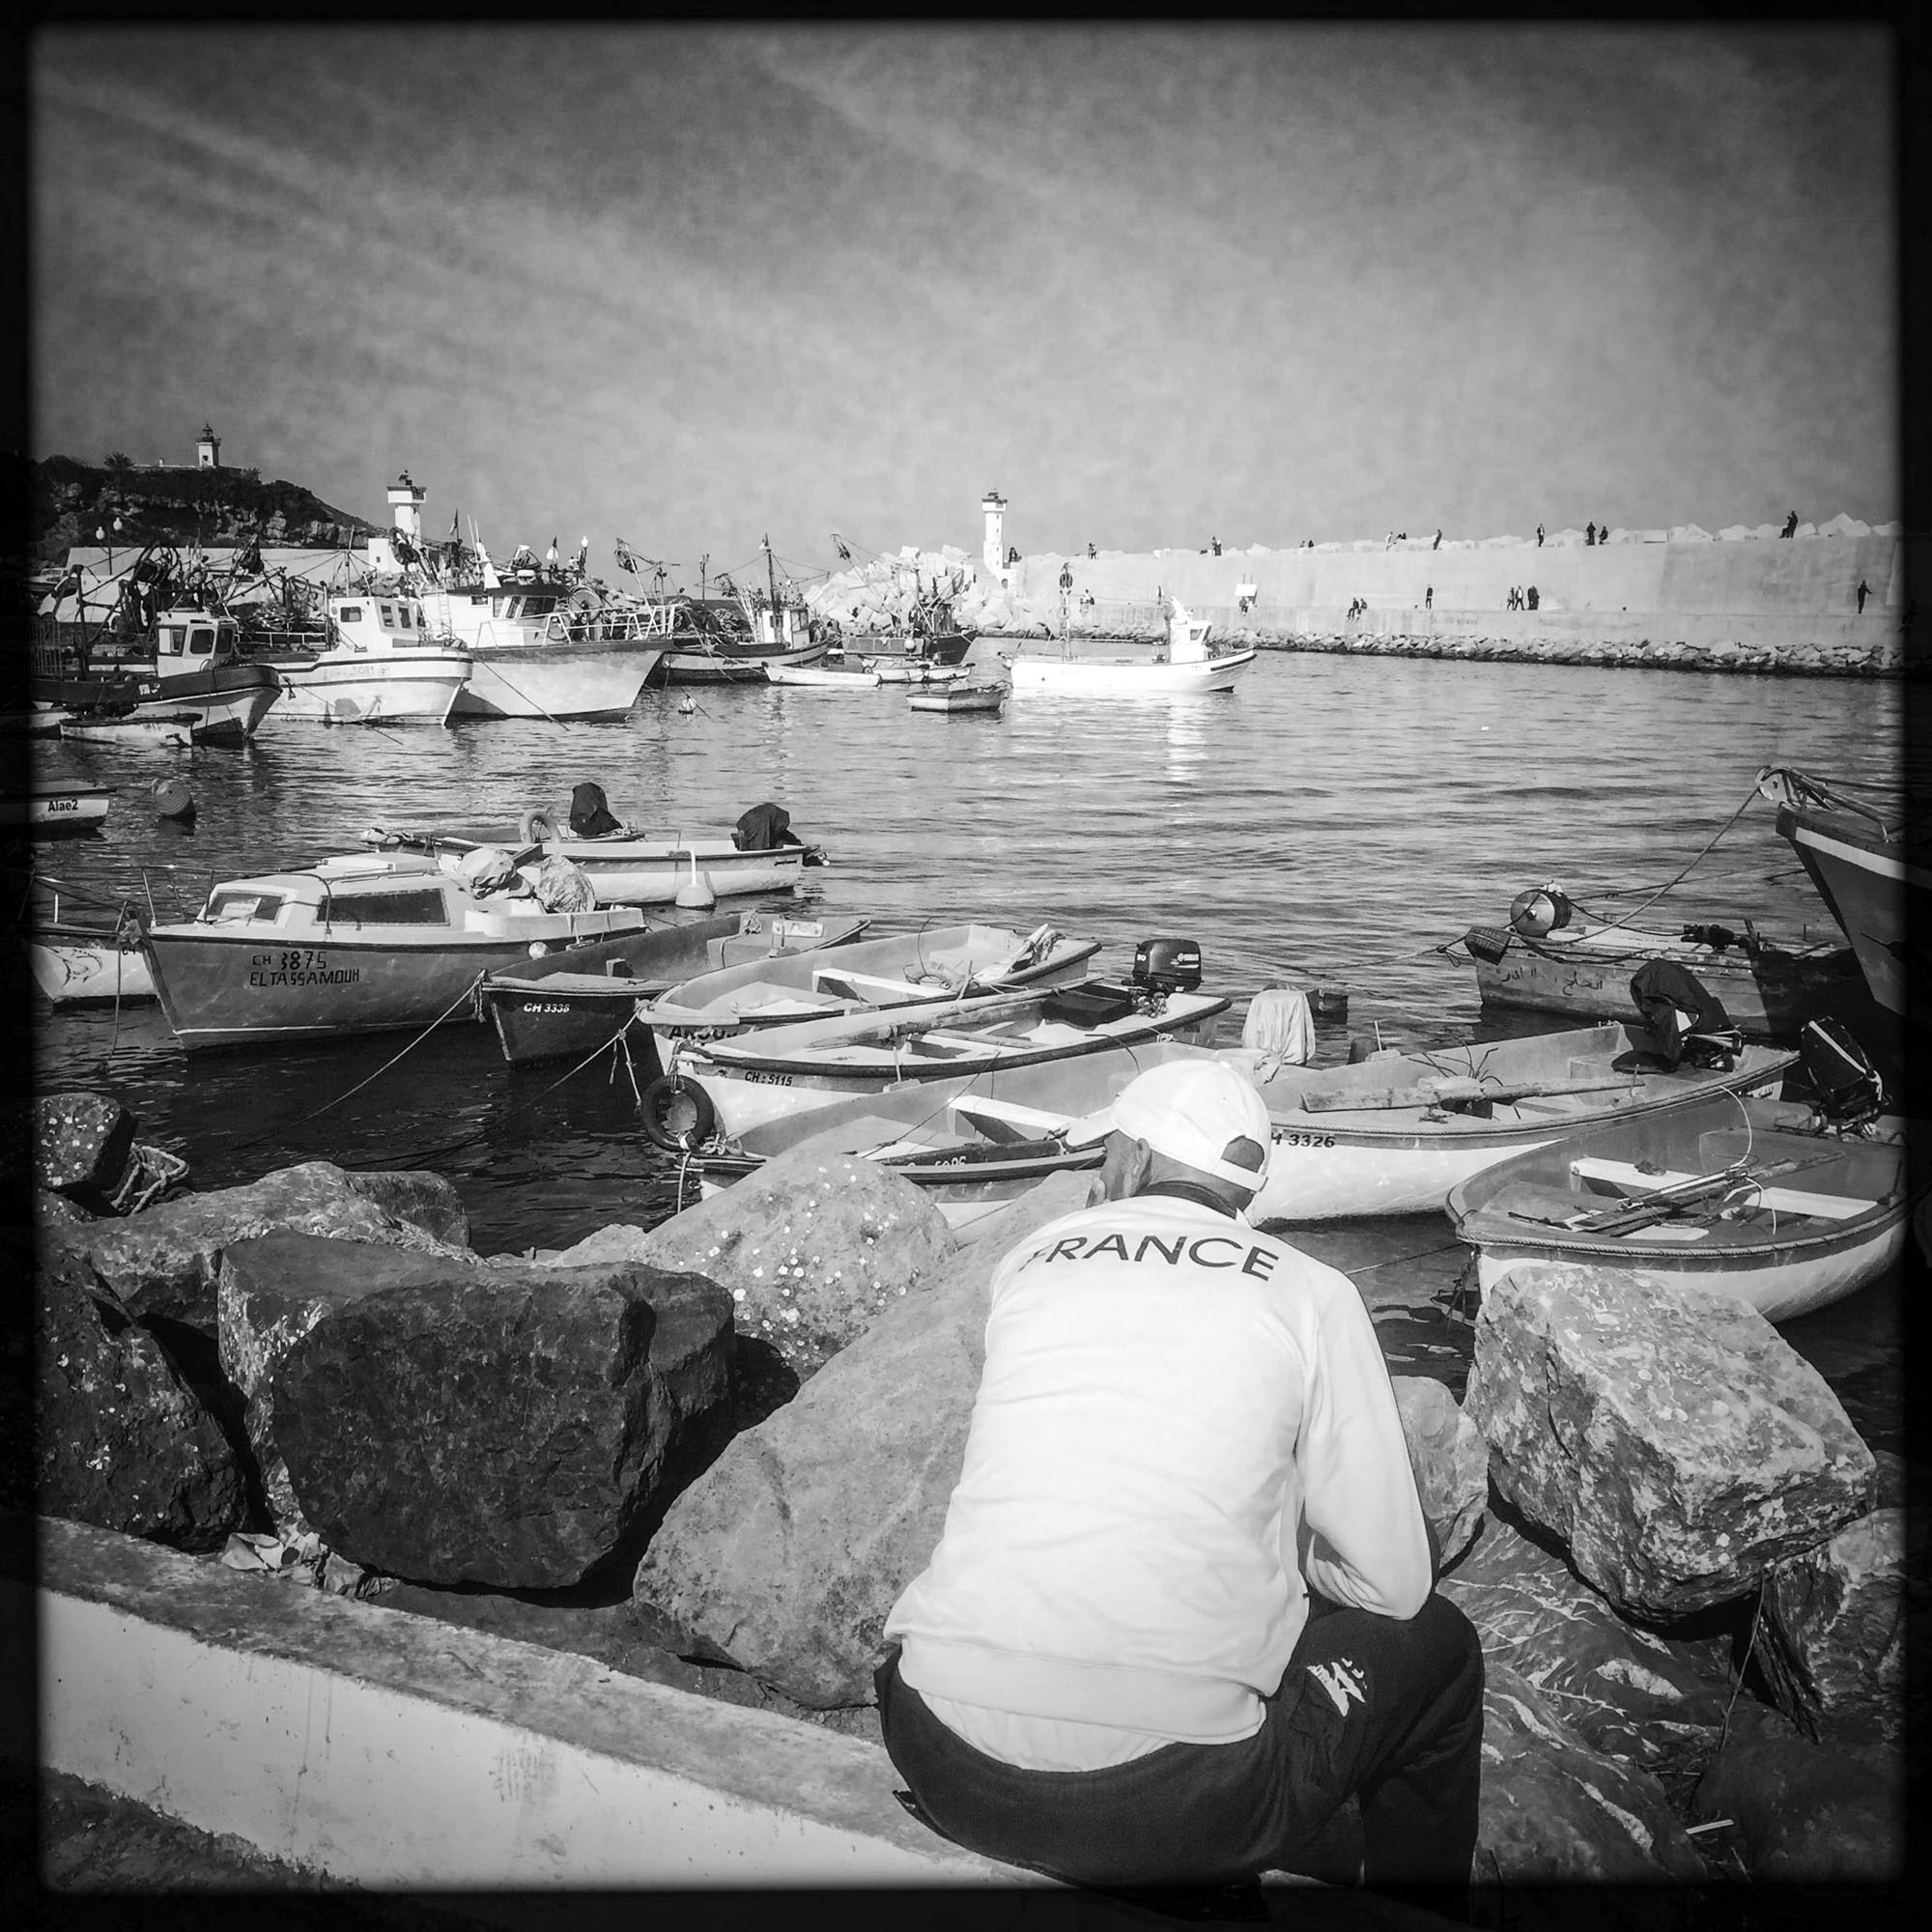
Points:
388	1750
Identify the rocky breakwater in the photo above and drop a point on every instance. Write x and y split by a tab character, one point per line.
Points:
1686	1497
714	1452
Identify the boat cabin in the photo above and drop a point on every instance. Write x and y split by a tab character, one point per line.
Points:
378	624
508	612
188	640
400	896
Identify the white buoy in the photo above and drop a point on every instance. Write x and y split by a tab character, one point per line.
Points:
173	799
695	893
687	706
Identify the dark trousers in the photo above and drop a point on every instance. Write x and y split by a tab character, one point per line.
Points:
1368	1705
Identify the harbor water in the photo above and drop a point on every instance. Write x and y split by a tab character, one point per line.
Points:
1335	823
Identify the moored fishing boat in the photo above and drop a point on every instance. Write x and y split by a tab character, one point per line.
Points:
577	1000
769	627
187	669
1874	874
358	943
1189	665
739	1082
1552	957
382	668
1758	1199
936	962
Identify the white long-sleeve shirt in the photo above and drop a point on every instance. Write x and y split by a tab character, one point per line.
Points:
1179	1419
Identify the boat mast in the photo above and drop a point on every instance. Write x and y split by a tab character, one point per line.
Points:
770	578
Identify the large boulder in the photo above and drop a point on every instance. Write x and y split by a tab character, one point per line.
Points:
271	1291
1671	1438
785	1555
1798	1813
122	1441
810	1248
507	1426
162	1261
1450	1459
1651	1701
81	1143
1835	1631
1554	1813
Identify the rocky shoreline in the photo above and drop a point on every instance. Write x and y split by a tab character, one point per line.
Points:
713	1451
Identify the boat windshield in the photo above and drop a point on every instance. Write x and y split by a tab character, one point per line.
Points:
234	908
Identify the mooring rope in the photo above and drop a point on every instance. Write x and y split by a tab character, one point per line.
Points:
468	993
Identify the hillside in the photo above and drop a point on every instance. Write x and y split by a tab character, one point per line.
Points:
67	500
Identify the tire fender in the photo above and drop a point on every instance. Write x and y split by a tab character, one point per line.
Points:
678	1114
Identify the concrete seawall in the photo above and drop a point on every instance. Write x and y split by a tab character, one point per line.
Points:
1756	605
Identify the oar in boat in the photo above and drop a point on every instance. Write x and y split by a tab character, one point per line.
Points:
1453	1089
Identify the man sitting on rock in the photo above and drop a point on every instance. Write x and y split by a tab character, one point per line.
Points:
1181	1606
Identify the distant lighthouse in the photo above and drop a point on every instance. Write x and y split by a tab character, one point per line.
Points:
995	549
208	448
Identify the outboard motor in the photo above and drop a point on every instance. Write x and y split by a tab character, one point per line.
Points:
1164	966
1839	1073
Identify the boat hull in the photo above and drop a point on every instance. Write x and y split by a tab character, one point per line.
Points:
579	1006
730	663
56	810
1879	891
653	873
133	732
221	991
751	1093
544	681
1126	677
1788	1221
975	701
815	678
1781	1285
79	967
371	690
1330	1164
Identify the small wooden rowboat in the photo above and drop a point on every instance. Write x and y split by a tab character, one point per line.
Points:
1392	1134
937	962
737	1084
915	670
77	962
1582	967
584	997
961	697
1752	1198
970	1155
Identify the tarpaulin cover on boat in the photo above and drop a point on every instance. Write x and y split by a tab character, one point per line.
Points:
764	829
590	816
1679	1009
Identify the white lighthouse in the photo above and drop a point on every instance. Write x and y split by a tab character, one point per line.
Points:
208	448
995	549
406	502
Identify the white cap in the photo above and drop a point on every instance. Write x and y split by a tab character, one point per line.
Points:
1189	1110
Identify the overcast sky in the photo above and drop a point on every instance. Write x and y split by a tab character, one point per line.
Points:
689	285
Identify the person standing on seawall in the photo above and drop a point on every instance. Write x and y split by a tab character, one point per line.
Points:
1861	593
1539	536
1182	1608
